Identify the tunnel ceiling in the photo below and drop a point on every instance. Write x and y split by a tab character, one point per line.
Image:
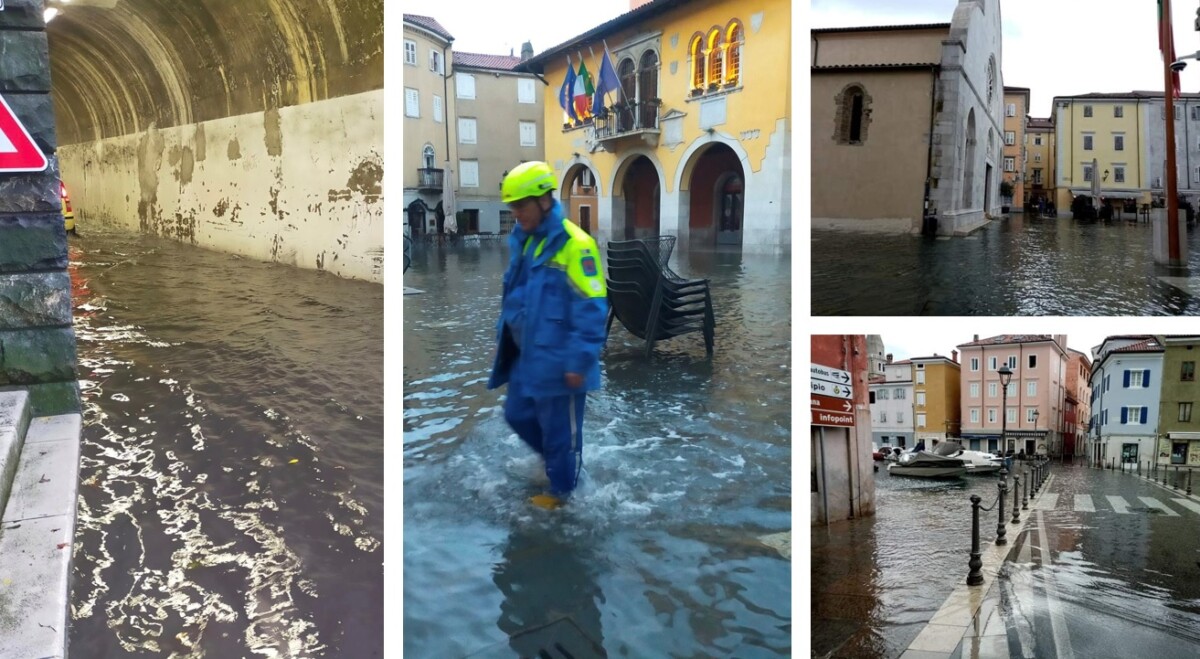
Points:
122	66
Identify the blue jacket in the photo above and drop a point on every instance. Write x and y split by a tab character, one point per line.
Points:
565	308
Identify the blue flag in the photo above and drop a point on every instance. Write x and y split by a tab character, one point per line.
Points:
606	81
566	93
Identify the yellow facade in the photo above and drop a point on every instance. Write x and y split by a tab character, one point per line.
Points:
747	123
1016	108
1039	161
941	388
1120	169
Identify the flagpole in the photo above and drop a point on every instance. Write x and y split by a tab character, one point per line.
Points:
1172	190
620	85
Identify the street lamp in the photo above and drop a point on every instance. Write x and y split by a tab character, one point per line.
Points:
1005	378
1036	414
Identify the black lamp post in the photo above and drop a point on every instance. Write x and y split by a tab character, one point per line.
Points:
1036	414
1005	378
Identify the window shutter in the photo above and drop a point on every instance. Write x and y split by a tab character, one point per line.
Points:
1127	379
1145	380
1125	413
1144	410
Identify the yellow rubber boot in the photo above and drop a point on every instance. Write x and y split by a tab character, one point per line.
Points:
547	501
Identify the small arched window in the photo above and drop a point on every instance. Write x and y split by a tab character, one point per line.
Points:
733	53
697	52
716	63
853	115
627	72
429	156
648	90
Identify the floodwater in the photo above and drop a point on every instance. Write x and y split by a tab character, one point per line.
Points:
876	581
670	546
231	499
1021	266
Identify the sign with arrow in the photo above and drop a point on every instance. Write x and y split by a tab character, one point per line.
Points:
831	389
18	152
829	374
828	404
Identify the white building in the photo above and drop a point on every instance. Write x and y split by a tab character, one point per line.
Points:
1126	385
892	404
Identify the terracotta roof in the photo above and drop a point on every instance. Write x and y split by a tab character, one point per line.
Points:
480	61
1123	96
1047	124
1149	345
882	28
430	24
1009	339
1010	88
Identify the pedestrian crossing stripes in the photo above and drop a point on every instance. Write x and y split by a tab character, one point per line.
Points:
1155	503
1118	504
1048	501
1140	505
1189	504
1083	503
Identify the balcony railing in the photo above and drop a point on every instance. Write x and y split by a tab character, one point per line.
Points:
429	179
627	119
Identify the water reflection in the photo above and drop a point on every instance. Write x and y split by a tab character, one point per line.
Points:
1022	266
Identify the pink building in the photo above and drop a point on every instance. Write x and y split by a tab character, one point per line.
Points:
1035	399
1077	403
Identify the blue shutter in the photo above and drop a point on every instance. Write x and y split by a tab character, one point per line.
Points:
1144	410
1126	378
1125	410
1145	383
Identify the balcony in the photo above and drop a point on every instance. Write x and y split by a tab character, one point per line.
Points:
429	179
628	120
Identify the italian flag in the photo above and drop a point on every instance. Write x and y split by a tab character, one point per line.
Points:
583	91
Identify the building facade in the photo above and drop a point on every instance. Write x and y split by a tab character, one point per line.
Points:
1127	379
428	132
499	119
696	140
1187	147
1104	147
912	115
1179	423
1039	163
843	478
1029	414
936	398
892	405
1016	114
1077	408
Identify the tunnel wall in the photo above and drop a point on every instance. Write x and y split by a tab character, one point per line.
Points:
301	185
251	127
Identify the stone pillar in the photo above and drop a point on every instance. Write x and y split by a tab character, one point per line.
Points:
37	342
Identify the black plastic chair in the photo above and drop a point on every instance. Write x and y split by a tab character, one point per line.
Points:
651	301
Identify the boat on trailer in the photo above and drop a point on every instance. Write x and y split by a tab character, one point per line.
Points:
924	464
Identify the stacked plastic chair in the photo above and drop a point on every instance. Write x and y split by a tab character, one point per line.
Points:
652	301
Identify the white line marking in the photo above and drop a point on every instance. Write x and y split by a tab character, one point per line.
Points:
1083	503
1118	504
1047	501
1058	626
1189	504
1155	503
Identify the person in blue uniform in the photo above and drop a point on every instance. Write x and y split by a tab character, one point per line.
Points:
551	327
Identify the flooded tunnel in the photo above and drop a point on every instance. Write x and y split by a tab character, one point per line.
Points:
249	128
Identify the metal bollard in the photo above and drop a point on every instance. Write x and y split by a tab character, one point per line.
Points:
975	575
1025	493
1189	483
1016	518
1176	483
1003	487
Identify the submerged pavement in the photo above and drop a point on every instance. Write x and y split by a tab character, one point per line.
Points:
1103	564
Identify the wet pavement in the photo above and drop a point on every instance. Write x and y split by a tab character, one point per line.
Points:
670	546
1020	266
1106	567
231	499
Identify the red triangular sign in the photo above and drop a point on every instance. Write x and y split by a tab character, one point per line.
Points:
18	153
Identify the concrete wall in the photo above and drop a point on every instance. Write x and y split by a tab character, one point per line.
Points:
301	185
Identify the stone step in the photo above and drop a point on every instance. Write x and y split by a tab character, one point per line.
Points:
14	421
36	540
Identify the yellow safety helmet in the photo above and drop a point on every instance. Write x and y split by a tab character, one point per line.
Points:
529	179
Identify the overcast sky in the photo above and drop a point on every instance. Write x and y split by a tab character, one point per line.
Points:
929	340
1054	47
495	28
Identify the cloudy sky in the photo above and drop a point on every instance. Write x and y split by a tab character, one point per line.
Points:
1054	47
930	340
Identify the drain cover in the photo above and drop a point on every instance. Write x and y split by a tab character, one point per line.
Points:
561	639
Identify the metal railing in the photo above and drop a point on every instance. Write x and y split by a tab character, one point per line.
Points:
429	178
627	118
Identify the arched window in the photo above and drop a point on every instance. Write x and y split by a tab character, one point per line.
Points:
733	53
648	90
697	52
716	68
627	72
429	156
853	115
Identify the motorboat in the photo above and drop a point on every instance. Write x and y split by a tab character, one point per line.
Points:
977	462
923	464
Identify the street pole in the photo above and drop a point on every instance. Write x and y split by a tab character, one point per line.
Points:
1172	191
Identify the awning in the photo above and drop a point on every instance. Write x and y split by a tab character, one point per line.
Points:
1184	435
1111	194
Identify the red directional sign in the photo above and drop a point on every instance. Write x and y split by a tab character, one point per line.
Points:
830	391
18	153
838	419
830	404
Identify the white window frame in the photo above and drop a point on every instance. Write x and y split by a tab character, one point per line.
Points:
1087	110
438	109
1118	141
920	377
900	394
974	415
883	416
410	47
1010	110
1029	414
993	389
1010	164
461	85
1010	138
1012	389
532	130
974	390
468	130
1011	414
992	364
1037	140
975	364
1118	173
526	90
1031	388
412	103
920	420
1012	363
881	394
1135	379
993	415
436	63
899	416
1132	419
1087	173
463	167
1118	111
920	399
1089	141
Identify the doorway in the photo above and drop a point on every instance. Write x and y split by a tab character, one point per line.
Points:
585	218
729	211
1129	453
1179	453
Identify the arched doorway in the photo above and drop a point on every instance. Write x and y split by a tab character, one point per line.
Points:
968	196
717	197
416	218
641	192
579	199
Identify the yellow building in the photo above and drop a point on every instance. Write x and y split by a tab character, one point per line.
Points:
1016	110
429	131
937	409
1039	162
1099	146
696	141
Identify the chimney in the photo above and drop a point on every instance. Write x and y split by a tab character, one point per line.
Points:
954	356
526	50
889	358
976	338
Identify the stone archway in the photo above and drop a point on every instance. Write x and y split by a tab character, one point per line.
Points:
716	190
417	213
579	195
641	194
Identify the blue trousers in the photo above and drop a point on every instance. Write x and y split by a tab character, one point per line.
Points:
552	426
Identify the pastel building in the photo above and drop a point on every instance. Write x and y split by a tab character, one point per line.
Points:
1016	110
429	133
1127	378
1179	408
936	398
1077	398
696	140
1039	161
843	478
892	405
1030	415
1100	139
